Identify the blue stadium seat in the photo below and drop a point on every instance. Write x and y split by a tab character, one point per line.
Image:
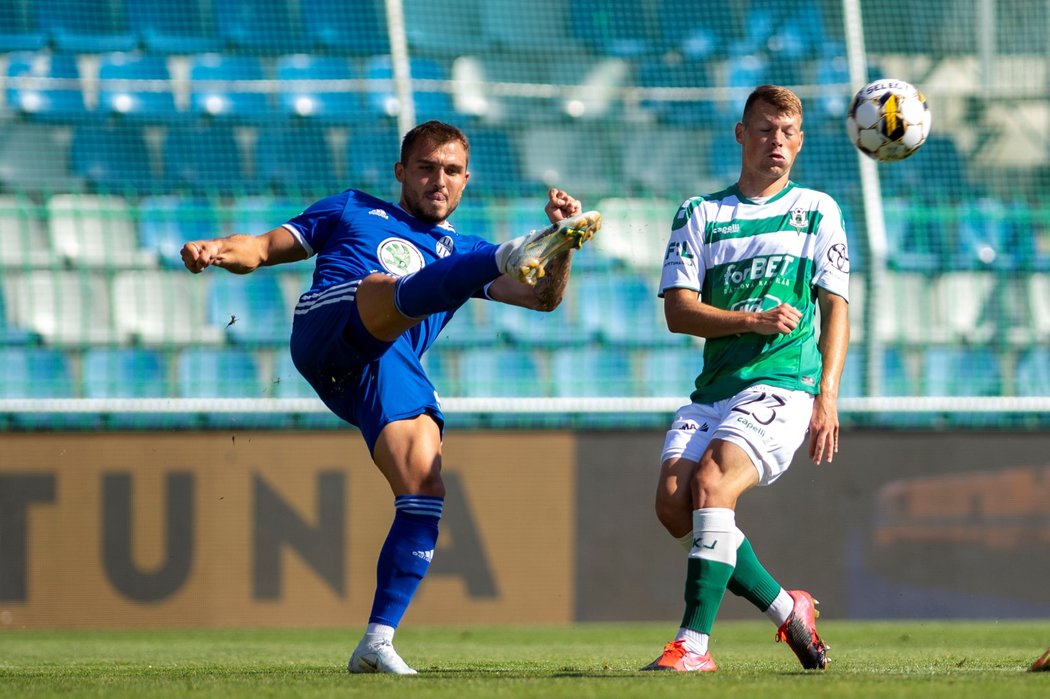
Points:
671	371
167	222
217	373
498	371
38	372
470	326
287	382
112	159
251	308
18	28
86	26
329	104
1032	376
917	241
371	152
428	32
129	101
205	160
832	73
62	102
985	237
257	214
693	30
671	70
431	103
296	160
346	27
592	372
171	27
828	161
495	168
623	309
959	371
121	372
11	334
622	28
34	158
895	378
257	26
215	92
744	72
558	328
937	170
516	26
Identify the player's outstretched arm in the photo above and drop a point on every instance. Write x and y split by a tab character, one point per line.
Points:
242	254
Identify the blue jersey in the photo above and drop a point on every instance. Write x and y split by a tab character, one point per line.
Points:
354	234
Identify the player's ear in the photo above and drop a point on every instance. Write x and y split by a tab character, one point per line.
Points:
739	131
399	172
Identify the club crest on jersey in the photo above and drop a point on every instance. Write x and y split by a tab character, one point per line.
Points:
799	219
399	257
444	246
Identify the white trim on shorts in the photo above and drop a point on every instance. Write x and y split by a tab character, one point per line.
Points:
769	423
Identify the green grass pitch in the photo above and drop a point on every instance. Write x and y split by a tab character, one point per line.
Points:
885	659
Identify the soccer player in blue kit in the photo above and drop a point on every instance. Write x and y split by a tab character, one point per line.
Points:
388	277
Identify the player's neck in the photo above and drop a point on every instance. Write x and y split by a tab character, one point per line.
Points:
760	188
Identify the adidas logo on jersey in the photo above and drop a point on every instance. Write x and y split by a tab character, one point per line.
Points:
380	213
425	555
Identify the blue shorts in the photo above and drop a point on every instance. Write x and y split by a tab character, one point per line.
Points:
368	392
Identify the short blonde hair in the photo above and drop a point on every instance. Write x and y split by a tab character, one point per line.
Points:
786	101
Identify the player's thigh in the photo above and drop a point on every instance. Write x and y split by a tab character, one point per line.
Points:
684	444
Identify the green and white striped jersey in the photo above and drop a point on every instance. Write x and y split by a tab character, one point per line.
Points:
742	255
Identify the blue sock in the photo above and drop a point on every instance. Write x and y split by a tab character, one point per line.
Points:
446	285
405	556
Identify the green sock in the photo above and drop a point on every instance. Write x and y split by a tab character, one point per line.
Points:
705	586
750	580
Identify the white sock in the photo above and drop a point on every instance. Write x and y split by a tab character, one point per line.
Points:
781	608
695	641
686	541
377	633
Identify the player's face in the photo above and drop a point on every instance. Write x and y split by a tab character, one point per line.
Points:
432	180
771	140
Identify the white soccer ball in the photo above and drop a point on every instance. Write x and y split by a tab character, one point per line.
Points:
888	120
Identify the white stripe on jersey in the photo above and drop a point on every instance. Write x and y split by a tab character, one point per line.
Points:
333	294
764	244
299	236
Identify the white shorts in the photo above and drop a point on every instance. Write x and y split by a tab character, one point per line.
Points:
767	422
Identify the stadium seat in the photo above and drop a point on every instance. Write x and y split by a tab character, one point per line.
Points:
96	231
673	71
217	373
371	152
470	326
152	102
205	160
828	161
832	74
63	307
167	222
346	27
254	215
166	308
429	32
744	71
301	95
120	372
1039	297
915	238
666	161
523	326
18	28
671	371
431	101
86	26
692	30
495	169
518	27
40	100
556	155
219	89
895	378
1032	376
939	172
113	159
11	334
257	26
296	160
34	158
166	27
24	242
623	309
591	372
958	371
498	372
38	373
250	308
287	382
634	232
622	28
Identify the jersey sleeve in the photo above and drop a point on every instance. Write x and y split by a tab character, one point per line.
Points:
313	227
683	267
832	253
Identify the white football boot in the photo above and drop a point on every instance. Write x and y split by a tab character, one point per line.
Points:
377	656
526	257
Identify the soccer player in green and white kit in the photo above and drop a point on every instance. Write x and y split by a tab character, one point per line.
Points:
746	269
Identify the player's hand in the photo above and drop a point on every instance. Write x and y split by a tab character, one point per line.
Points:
200	254
780	320
823	430
560	205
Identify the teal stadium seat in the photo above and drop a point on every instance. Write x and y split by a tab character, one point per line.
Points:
346	27
205	160
37	372
431	33
120	372
129	101
622	309
11	334
166	222
84	26
671	70
495	169
432	101
296	160
592	372
1032	376
258	26
692	30
221	373
371	152
622	28
171	27
18	28
113	159
959	371
498	372
250	308
671	371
